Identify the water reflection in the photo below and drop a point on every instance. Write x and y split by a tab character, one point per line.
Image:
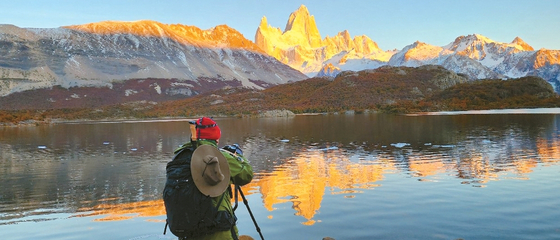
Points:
124	211
116	171
304	179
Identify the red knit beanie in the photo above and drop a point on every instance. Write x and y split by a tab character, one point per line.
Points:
206	128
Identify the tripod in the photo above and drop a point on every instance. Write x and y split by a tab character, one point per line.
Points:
238	190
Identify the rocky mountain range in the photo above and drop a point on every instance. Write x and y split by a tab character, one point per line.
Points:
114	62
300	45
102	54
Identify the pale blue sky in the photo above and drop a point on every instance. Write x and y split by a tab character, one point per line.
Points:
390	23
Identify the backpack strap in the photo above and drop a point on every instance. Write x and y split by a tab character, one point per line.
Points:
232	229
220	202
191	145
233	235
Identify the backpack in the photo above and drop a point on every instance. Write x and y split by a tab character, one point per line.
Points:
189	212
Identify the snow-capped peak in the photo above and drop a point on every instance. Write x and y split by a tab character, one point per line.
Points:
417	54
481	48
524	46
463	42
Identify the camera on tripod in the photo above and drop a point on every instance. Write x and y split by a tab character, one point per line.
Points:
234	148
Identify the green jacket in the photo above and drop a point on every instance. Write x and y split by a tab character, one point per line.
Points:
241	174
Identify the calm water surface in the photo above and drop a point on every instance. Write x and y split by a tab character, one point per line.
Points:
344	176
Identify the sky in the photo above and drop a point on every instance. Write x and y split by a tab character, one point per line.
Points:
392	24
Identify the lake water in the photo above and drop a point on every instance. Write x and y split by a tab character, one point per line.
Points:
373	176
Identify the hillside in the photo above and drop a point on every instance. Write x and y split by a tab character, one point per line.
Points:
525	92
387	89
368	89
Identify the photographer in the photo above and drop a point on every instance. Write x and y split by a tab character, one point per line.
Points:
240	172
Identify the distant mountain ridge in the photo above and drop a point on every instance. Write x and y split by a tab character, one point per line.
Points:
99	54
475	56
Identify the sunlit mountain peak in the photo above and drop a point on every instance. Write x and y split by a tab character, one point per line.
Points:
519	42
545	57
415	54
479	48
300	45
302	29
481	38
463	42
422	51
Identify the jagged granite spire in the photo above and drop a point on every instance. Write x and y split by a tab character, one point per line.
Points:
302	25
301	46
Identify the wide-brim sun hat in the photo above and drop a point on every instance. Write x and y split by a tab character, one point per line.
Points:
210	170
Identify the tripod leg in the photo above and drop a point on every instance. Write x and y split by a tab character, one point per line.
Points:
249	209
236	197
